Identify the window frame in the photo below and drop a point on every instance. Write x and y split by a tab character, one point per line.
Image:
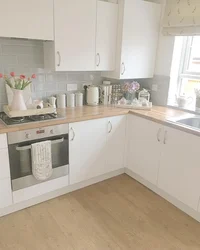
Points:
184	63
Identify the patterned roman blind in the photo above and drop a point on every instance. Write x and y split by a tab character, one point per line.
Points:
182	18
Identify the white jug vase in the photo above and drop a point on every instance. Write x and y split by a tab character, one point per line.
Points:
18	100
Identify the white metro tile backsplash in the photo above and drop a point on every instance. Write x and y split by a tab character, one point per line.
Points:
26	57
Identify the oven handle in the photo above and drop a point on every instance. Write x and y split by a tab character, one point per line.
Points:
29	146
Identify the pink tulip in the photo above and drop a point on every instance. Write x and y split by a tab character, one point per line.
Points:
33	76
1	75
12	74
22	77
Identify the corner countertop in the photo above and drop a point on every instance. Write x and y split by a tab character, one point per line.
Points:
157	114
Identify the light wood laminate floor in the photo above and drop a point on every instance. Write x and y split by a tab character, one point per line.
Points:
115	214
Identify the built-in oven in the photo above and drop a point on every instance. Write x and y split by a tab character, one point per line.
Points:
19	146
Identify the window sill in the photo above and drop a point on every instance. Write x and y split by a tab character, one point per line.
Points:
189	108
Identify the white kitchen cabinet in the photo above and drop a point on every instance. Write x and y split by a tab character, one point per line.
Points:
3	141
75	34
106	35
115	146
144	147
4	165
85	36
27	19
96	147
138	30
5	193
87	144
179	171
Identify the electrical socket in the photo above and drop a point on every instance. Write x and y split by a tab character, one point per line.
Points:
72	87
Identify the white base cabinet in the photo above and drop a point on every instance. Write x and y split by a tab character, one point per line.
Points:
165	157
144	148
179	172
5	180
95	148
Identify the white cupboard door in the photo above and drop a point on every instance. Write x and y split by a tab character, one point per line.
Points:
106	35
140	38
5	193
179	173
3	141
4	165
144	147
27	19
87	142
115	147
75	32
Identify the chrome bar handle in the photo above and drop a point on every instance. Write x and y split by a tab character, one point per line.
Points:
124	69
99	59
158	135
165	138
110	127
59	58
29	146
74	135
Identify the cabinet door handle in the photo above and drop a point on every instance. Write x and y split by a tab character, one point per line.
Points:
59	58
110	127
99	59
165	138
158	135
123	68
74	135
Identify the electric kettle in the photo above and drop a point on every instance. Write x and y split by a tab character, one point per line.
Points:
92	95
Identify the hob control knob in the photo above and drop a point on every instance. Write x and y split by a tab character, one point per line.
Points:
51	132
28	136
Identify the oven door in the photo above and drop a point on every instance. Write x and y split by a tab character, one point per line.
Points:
21	162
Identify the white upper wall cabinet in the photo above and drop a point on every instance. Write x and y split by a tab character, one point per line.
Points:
138	31
27	19
106	35
85	36
75	34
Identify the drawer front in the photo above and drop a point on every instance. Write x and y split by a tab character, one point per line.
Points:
40	189
4	166
5	193
3	141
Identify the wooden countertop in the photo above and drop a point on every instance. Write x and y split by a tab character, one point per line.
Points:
157	114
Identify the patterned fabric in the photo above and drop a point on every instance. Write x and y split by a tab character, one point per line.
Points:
182	17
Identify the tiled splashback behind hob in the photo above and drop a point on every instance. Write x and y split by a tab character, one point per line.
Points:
26	57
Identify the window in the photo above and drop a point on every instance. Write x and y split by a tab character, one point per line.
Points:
185	71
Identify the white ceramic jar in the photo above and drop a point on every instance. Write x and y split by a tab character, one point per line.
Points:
71	100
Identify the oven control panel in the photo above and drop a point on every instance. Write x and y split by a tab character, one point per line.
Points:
37	133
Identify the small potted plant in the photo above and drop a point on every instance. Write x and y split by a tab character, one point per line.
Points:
130	89
17	84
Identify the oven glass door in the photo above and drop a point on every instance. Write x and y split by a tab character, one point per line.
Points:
20	156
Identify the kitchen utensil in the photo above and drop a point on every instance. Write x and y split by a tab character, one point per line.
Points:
79	99
61	101
70	100
183	100
92	95
144	95
38	104
52	101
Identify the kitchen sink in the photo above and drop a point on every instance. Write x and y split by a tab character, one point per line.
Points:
191	121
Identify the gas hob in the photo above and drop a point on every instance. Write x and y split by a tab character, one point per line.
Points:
28	119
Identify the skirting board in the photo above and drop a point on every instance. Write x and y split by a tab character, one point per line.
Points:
194	214
59	192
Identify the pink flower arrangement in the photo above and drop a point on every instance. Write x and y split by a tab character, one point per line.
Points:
131	87
20	82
